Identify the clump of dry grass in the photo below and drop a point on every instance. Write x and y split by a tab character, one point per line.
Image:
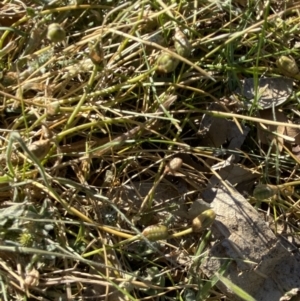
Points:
87	116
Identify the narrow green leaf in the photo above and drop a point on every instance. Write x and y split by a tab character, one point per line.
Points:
15	30
237	290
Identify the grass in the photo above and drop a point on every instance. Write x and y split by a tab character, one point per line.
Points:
84	117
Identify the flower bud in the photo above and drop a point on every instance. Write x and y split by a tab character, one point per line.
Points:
26	239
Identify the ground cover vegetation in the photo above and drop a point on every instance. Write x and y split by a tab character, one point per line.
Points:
116	119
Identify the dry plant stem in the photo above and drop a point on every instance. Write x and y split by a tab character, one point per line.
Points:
24	100
147	202
33	251
121	243
291	154
77	213
174	54
102	32
89	279
82	100
288	184
168	9
293	183
51	11
151	124
182	233
243	117
118	140
8	269
134	238
108	90
254	28
285	137
216	174
119	7
183	85
172	166
9	47
200	223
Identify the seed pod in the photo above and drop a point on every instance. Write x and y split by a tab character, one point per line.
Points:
96	52
288	190
262	192
32	278
40	148
174	165
53	108
166	63
203	220
156	232
287	65
181	43
55	33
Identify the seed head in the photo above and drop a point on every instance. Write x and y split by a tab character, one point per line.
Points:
262	192
55	33
174	165
166	63
204	220
156	232
287	65
181	43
